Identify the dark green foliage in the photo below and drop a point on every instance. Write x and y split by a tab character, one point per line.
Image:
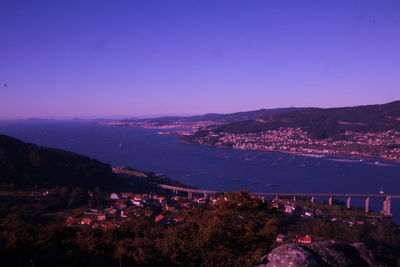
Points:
27	166
77	198
234	232
98	199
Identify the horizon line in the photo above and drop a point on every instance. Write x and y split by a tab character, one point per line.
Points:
158	115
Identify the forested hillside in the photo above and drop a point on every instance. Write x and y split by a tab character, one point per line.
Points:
25	166
323	123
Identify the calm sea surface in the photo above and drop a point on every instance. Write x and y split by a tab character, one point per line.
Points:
213	168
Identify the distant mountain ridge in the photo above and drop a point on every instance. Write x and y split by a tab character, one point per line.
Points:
229	117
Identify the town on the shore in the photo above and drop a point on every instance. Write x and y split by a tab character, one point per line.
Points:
384	145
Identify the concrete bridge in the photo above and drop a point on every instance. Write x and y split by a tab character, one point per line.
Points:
386	198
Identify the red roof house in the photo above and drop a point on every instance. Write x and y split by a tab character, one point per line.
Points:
305	240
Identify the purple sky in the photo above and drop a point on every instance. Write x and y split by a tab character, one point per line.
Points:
63	59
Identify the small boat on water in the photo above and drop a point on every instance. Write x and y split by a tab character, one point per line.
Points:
312	155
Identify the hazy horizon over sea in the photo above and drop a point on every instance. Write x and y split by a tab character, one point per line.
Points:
213	168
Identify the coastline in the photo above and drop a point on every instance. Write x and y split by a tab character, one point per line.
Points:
304	154
176	132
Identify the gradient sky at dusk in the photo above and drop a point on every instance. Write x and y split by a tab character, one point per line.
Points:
64	59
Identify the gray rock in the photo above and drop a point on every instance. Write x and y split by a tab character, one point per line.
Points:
366	254
326	253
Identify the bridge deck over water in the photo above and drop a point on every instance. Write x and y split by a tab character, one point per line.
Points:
386	197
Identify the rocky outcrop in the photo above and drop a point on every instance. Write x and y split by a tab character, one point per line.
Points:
327	253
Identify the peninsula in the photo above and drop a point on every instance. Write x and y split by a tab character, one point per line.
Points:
360	131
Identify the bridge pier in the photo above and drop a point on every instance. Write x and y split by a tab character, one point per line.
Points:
294	198
367	204
386	206
312	199
190	195
205	194
348	202
330	199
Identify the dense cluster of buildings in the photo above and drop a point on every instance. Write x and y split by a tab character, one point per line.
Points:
377	144
122	206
